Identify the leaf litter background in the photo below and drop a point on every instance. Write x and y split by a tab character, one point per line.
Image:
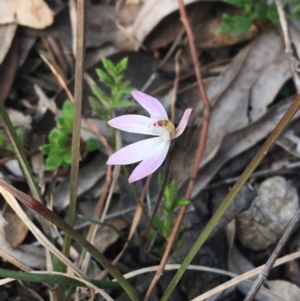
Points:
249	86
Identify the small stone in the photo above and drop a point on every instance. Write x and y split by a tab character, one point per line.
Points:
269	214
284	289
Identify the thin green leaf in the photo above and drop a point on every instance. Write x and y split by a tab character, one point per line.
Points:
241	24
46	149
68	110
54	279
92	144
122	66
57	137
108	64
105	78
181	202
10	147
158	223
20	135
98	92
65	121
1	138
53	162
170	192
67	158
126	88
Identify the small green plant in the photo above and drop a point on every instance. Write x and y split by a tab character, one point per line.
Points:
112	76
259	10
165	225
5	142
59	151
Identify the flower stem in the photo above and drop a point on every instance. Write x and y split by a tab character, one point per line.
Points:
168	163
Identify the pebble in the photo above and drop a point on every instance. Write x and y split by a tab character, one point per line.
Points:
269	214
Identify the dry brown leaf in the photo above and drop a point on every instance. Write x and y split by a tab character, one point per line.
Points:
15	229
290	141
150	15
106	235
231	128
88	176
208	35
8	69
10	199
7	33
31	13
238	141
28	255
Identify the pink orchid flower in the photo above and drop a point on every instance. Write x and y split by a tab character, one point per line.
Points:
153	151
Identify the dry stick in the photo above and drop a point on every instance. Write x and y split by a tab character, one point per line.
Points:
290	49
294	63
175	87
164	60
190	74
79	69
265	272
200	150
248	275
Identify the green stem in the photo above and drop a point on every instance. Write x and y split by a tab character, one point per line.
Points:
79	69
168	163
54	279
232	194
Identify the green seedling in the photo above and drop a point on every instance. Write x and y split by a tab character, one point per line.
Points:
111	76
260	10
58	151
165	224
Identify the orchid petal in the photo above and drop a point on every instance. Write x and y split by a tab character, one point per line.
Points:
135	152
183	122
152	163
150	104
133	123
162	132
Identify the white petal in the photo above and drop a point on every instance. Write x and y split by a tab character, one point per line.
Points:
150	104
133	123
135	152
183	122
151	164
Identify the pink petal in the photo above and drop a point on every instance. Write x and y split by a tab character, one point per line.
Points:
150	164
135	152
183	122
150	104
133	124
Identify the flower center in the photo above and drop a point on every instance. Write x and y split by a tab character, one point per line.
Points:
164	128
